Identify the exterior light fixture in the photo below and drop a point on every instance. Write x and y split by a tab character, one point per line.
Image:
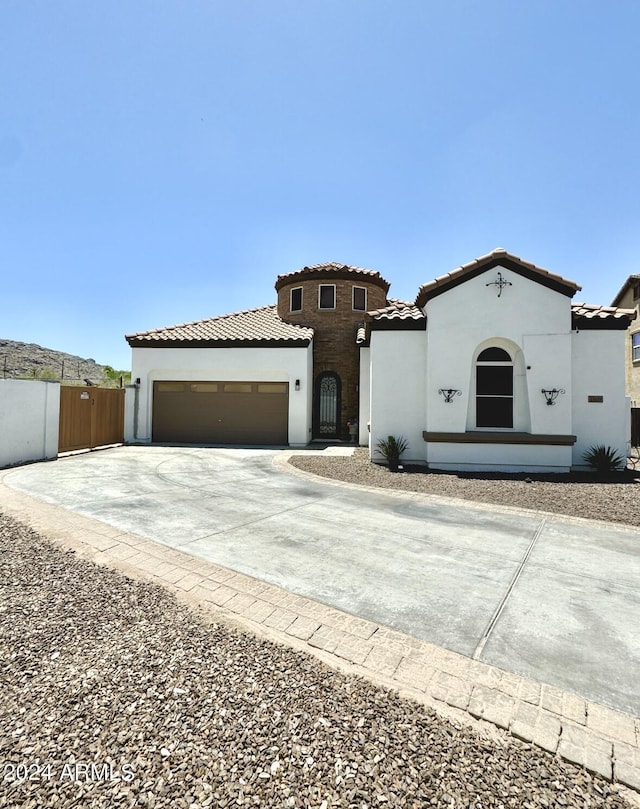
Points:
500	283
297	384
449	393
552	395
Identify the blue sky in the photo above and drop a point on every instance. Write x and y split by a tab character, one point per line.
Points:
162	162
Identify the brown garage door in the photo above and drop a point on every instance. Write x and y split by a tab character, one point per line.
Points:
221	412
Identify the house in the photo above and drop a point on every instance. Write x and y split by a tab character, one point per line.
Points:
629	298
491	367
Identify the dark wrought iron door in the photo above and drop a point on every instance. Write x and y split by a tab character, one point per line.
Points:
327	406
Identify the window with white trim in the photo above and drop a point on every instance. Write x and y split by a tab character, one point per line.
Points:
296	300
635	347
327	296
359	299
494	388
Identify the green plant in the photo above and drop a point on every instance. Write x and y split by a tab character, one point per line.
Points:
113	376
604	460
391	448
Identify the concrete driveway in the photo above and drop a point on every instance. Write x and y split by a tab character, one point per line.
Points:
550	598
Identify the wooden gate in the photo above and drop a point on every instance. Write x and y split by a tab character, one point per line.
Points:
90	417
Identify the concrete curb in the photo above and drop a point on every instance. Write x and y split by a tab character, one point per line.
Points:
604	741
281	462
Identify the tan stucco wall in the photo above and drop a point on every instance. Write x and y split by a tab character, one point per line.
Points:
632	370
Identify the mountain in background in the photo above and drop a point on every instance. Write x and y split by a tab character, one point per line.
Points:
31	361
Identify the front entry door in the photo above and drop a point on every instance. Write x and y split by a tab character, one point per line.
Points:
326	409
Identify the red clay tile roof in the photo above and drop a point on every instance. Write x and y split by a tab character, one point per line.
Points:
332	269
398	315
497	257
397	310
586	315
260	326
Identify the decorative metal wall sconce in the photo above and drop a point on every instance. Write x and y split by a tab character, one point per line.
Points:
552	395
500	283
449	393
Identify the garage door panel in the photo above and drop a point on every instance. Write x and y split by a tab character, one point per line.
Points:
221	412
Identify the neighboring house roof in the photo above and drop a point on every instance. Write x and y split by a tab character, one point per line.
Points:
587	316
332	269
630	280
498	257
252	327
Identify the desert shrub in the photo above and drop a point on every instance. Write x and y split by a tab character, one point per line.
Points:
391	448
604	460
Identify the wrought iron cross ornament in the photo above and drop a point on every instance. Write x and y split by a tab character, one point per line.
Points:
500	283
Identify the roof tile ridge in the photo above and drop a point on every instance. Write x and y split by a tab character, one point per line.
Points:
399	302
245	311
201	321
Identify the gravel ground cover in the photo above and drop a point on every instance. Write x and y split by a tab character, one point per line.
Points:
577	495
116	695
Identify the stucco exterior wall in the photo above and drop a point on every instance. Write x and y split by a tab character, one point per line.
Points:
533	324
632	369
499	457
131	409
29	415
598	370
398	390
365	397
224	364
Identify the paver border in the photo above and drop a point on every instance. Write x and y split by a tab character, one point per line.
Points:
604	741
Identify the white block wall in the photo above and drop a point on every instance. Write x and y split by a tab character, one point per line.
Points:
398	390
598	370
29	421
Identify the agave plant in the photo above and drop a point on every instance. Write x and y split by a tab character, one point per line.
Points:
604	460
391	448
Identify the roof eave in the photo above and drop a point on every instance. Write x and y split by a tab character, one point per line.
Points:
611	323
302	342
398	324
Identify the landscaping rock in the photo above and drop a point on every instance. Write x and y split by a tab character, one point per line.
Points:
116	695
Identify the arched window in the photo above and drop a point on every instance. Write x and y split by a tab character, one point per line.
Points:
494	388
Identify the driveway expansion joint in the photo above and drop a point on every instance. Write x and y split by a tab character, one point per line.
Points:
604	741
503	602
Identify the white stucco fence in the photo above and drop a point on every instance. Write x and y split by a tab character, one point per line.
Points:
29	421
